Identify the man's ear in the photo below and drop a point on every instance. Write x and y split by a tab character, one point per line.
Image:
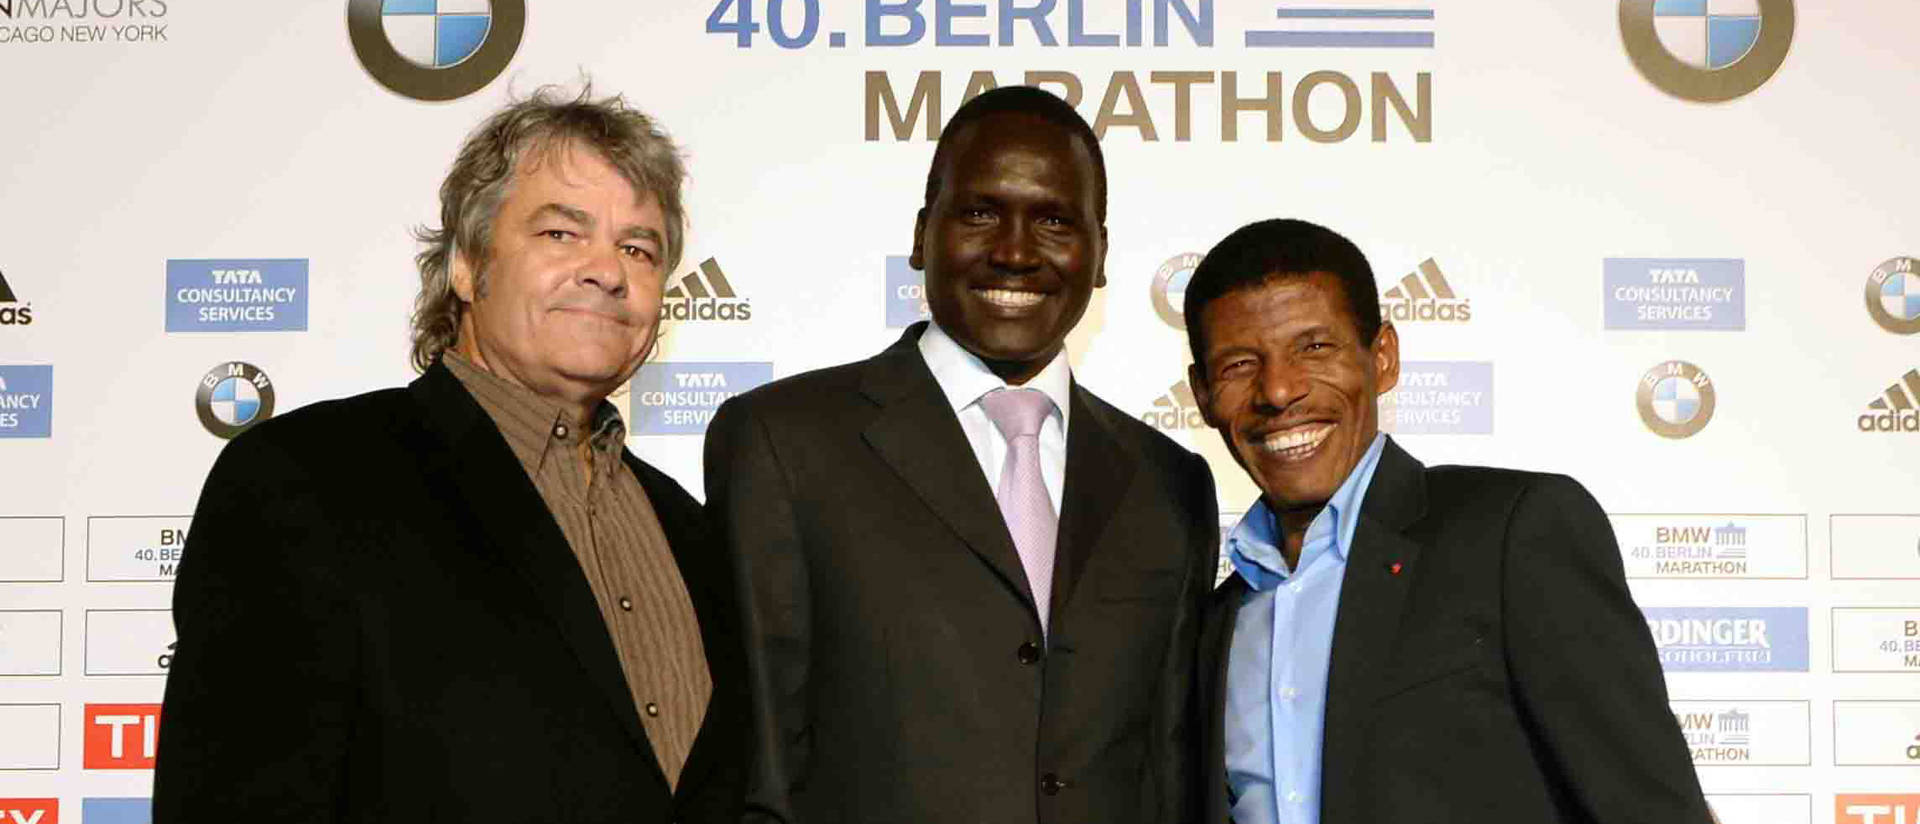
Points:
1100	264
460	272
918	259
1386	359
1202	393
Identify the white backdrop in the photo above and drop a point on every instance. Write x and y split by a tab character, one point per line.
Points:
220	135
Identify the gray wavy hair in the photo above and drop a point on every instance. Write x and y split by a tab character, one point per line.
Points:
538	126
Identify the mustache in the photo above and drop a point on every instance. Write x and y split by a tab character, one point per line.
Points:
598	305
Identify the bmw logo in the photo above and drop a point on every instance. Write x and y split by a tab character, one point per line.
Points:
435	49
1676	399
1707	51
232	397
1893	295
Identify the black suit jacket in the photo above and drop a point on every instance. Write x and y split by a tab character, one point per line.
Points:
379	620
1503	674
894	646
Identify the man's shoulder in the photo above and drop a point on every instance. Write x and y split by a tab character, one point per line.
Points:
805	396
343	429
1478	489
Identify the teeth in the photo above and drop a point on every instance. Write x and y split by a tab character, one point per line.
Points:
1296	442
1011	299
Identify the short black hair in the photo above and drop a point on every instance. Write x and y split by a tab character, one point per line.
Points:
1273	249
1028	100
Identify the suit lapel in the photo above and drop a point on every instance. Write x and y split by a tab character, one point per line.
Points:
1216	646
918	436
1097	476
1372	598
516	524
704	572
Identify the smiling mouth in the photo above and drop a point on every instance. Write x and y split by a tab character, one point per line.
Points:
1296	443
1011	298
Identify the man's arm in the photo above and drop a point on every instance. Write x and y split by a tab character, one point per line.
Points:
1584	666
751	507
1175	733
257	711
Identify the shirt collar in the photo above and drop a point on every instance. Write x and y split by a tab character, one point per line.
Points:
1253	545
964	378
533	425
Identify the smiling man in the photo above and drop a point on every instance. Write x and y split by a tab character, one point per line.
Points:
973	587
1398	642
464	600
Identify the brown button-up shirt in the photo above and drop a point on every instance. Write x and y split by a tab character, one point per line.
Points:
617	539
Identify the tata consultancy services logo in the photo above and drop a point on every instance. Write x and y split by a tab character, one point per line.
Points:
1707	51
1170	288
1676	399
1893	296
232	398
435	49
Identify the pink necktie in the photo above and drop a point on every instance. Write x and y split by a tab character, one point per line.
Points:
1023	498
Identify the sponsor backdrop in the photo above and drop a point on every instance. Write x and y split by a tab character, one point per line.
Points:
1666	247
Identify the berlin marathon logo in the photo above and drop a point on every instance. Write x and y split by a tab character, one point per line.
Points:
13	312
1424	295
704	294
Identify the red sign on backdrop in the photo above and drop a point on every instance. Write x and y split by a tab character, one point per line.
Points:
29	811
1865	808
122	736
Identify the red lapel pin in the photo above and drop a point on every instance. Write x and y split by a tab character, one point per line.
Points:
1393	568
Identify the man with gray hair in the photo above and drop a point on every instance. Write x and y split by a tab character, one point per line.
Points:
464	600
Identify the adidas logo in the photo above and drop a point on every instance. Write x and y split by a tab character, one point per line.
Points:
1425	295
10	313
704	294
1175	410
1895	410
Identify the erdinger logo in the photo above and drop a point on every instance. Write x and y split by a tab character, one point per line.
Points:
232	398
12	311
1676	399
1893	296
1175	410
704	294
1170	288
1707	51
1894	410
1425	295
435	49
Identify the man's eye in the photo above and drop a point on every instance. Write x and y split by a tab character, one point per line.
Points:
637	252
557	234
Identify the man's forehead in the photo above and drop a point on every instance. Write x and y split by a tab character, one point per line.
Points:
1285	303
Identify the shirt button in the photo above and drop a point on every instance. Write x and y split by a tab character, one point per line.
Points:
560	431
1293	585
653	710
1288	693
1051	784
1293	796
626	604
1028	653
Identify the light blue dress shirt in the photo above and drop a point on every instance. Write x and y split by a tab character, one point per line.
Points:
1282	641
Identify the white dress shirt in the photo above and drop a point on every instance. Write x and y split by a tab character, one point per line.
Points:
963	378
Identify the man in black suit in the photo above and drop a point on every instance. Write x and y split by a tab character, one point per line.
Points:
464	600
927	642
1399	643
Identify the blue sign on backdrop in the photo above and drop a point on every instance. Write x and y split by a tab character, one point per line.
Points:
1676	293
1440	398
1730	639
906	294
680	398
236	295
116	811
26	401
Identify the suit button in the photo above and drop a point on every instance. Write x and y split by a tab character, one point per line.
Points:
1028	653
653	710
1051	784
